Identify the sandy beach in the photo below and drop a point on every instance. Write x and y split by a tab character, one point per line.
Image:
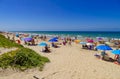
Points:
59	39
68	62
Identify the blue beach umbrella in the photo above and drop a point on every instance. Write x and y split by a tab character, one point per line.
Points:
83	43
42	44
53	40
117	52
17	35
103	47
56	38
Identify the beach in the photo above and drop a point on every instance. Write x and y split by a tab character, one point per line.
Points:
68	62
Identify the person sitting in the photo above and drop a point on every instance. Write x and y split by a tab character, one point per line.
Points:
46	49
86	46
90	47
54	45
95	49
83	46
33	41
64	43
116	57
18	41
118	60
104	56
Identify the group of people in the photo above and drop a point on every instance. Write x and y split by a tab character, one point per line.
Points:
106	57
103	55
90	47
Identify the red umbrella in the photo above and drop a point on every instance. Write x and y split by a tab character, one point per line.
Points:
90	41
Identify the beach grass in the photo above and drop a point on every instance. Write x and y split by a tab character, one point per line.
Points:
22	58
6	43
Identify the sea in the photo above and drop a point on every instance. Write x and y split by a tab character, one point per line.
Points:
79	34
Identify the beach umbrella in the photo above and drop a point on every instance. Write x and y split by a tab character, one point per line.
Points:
56	38
83	43
28	39
77	41
116	52
42	44
99	38
90	41
53	40
104	47
17	35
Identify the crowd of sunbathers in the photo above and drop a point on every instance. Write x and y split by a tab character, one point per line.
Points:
104	56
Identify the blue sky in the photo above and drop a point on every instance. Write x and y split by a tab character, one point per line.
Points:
60	15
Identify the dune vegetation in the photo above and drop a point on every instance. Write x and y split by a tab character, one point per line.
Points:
22	58
6	43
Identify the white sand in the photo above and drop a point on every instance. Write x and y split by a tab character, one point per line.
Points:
68	62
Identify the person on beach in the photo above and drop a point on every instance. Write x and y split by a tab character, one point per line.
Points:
118	60
103	55
47	49
116	57
33	41
64	43
18	41
69	42
54	45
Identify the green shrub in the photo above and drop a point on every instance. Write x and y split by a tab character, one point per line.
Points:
4	42
22	59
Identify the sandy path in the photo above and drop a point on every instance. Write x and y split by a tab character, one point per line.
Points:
5	50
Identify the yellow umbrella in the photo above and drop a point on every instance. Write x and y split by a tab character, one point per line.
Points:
77	41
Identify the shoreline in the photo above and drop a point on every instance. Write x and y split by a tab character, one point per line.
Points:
79	34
